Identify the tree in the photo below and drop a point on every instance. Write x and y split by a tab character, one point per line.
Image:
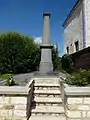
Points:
67	63
18	53
56	59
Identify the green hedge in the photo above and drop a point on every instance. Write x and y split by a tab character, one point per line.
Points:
18	53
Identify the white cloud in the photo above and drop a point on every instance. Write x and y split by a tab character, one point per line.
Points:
38	40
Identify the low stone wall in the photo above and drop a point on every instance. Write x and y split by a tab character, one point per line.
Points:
15	102
13	107
78	108
76	101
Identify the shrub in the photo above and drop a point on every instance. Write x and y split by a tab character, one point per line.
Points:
5	76
10	81
56	59
82	78
67	63
85	74
18	53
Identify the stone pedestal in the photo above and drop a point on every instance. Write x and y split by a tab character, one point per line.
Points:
46	58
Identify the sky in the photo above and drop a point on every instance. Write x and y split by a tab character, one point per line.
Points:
26	17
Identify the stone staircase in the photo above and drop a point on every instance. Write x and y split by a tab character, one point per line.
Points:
47	102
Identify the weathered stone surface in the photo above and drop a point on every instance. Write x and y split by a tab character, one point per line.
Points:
75	100
72	119
20	107
87	100
73	114
47	117
84	114
19	100
88	114
14	90
72	107
19	113
83	107
77	105
8	106
48	109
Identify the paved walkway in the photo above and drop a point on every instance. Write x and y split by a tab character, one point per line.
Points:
23	79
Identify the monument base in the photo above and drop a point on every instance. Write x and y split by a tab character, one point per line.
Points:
46	70
48	74
45	67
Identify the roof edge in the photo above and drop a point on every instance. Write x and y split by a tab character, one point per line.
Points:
70	13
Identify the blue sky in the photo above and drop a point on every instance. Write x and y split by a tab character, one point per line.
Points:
26	17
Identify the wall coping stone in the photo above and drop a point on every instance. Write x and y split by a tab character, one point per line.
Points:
14	90
76	91
30	83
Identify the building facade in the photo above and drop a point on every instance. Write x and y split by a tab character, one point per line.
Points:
77	28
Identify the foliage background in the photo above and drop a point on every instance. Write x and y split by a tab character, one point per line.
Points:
20	54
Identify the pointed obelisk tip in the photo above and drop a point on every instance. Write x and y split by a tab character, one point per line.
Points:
46	14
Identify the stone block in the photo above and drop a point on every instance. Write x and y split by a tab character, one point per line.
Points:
8	106
1	99
83	107
72	107
20	107
74	100
84	114
11	113
73	119
73	114
3	113
87	101
19	100
88	114
19	113
1	106
6	113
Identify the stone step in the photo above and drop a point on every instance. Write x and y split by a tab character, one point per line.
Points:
46	88
47	80
47	100
47	92
48	110
47	95
46	85
47	118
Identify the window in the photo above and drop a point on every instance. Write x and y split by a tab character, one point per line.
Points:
77	46
67	50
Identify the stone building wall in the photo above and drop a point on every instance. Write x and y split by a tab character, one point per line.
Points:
86	4
73	29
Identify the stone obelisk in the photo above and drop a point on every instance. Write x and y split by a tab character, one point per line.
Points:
46	66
